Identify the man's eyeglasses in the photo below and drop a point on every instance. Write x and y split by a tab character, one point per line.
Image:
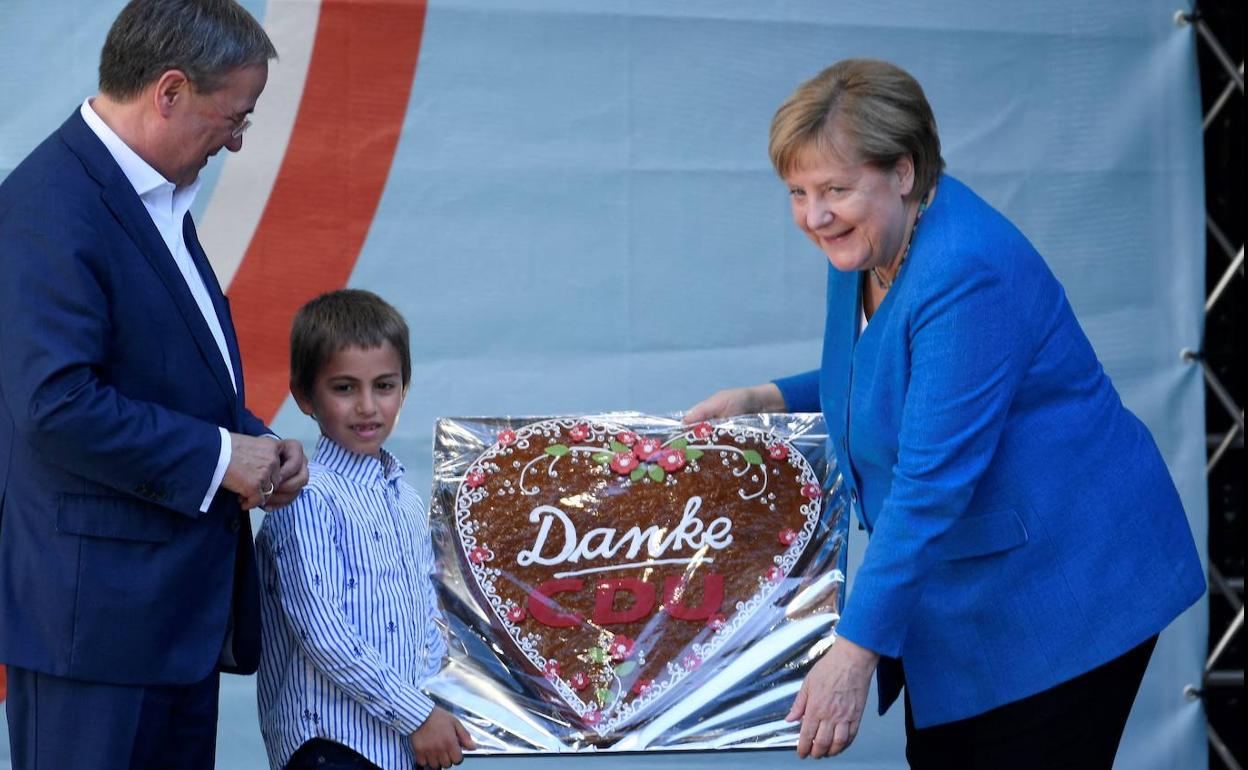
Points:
241	124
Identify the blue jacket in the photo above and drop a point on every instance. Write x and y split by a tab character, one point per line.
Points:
1023	526
111	393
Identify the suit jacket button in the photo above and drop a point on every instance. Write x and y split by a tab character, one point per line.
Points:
236	523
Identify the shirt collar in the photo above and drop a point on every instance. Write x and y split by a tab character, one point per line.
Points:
362	469
143	178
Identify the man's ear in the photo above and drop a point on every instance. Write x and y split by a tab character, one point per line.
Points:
172	88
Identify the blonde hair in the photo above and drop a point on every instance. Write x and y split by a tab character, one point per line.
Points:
879	109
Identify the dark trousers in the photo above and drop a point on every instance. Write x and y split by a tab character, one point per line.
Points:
65	723
320	754
1074	726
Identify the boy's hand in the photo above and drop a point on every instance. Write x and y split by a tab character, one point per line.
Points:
436	743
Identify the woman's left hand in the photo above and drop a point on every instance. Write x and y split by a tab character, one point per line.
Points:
832	698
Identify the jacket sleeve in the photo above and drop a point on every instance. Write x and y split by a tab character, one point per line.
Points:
800	391
968	353
254	426
56	336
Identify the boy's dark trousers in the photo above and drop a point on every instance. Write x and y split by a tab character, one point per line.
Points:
320	754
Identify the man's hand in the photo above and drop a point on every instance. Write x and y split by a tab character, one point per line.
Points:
254	463
436	743
291	476
832	698
735	401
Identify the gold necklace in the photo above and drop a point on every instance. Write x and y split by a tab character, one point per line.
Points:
875	271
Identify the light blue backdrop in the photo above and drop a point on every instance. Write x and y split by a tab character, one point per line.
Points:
581	218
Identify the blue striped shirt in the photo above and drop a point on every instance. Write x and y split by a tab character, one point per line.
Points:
350	617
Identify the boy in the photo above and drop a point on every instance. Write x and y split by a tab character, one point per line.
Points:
349	614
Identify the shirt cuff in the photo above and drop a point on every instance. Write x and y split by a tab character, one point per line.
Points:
409	710
223	462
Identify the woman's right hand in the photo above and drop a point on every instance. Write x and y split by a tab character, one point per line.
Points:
734	401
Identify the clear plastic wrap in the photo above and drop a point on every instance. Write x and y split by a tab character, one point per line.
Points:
623	582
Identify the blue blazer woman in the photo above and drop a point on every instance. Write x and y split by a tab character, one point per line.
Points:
1023	526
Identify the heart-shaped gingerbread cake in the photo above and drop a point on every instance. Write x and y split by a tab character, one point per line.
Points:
617	564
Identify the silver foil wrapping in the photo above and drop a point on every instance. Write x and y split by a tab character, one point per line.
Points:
521	690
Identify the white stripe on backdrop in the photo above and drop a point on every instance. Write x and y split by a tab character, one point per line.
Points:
237	202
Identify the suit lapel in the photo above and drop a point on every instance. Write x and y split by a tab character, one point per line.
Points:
219	303
120	197
840	340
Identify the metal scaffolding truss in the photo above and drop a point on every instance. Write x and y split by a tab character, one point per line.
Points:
1228	289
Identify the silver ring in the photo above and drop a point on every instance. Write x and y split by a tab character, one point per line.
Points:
266	493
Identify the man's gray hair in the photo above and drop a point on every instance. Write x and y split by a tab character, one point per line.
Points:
205	39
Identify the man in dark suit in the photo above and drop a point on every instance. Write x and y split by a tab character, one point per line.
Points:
128	459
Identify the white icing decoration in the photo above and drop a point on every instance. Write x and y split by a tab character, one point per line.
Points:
617	712
691	532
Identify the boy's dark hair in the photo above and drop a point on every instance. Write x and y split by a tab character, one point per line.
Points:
337	319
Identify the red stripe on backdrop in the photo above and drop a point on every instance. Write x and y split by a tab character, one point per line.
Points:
330	181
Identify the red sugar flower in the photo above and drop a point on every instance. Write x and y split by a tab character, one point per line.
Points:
812	491
475	478
671	460
516	613
480	555
592	717
692	662
626	437
623	462
717	622
778	452
645	448
620	647
507	437
579	681
579	432
787	536
551	669
642	686
702	430
774	574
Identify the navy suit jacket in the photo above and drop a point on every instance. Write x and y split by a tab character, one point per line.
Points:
111	393
1024	528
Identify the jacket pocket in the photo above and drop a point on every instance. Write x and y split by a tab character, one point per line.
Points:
113	517
983	535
